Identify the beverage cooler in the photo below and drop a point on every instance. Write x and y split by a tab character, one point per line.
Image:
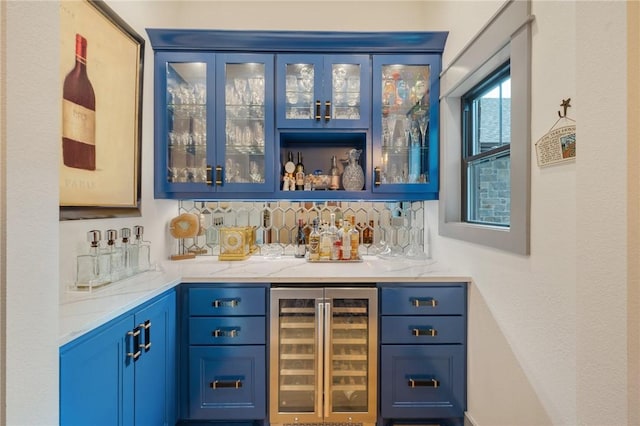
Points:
323	356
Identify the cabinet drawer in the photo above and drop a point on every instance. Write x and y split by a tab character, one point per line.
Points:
449	300
422	329
227	382
227	331
422	381
227	301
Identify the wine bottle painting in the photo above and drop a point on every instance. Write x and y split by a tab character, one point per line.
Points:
79	113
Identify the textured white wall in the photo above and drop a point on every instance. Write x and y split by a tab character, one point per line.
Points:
31	238
543	328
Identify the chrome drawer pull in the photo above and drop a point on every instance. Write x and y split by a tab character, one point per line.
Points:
136	344
225	303
424	332
418	302
233	384
433	383
225	333
146	326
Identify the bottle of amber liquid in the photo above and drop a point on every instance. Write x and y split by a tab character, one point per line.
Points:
79	114
354	237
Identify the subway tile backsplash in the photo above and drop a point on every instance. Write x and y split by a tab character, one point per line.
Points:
379	223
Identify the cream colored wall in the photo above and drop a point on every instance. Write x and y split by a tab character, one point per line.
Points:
3	196
543	328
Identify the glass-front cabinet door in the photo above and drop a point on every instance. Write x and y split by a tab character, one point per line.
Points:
244	147
214	124
323	356
184	118
405	123
323	91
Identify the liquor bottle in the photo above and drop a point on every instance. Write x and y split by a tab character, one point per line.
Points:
128	255
299	174
326	242
314	242
93	268
354	236
301	241
333	235
334	173
78	114
113	252
144	249
346	240
289	167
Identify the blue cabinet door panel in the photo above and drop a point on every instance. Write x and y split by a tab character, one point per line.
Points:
225	301
227	382
401	300
155	399
422	329
96	378
422	381
227	331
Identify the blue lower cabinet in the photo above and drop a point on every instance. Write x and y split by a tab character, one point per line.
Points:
423	353
223	353
422	381
123	373
227	382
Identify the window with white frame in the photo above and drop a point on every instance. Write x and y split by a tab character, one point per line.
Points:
485	135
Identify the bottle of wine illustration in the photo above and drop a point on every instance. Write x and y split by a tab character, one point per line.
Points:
79	113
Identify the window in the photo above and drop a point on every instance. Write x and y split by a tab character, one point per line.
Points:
486	161
485	111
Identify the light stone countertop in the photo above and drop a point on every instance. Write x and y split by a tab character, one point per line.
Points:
83	311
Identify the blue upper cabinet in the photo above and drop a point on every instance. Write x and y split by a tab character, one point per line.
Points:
405	124
231	105
214	124
323	91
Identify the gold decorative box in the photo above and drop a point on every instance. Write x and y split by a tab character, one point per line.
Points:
235	243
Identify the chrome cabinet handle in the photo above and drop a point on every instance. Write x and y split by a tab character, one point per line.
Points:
318	110
221	384
327	111
209	180
328	344
225	303
377	180
136	344
219	175
146	326
233	332
430	383
320	366
424	332
418	302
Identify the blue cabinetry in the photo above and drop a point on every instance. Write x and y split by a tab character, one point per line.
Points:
423	352
123	373
324	94
223	347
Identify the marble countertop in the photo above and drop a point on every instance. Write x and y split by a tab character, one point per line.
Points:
82	311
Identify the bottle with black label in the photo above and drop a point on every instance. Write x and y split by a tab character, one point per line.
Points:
299	174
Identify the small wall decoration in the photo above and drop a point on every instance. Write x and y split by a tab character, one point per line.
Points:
559	143
101	95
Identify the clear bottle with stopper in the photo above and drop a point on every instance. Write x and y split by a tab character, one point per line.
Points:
93	268
114	253
144	249
128	255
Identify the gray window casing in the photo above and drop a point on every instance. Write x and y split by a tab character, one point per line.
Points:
507	36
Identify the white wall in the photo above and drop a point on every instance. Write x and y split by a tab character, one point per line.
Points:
544	329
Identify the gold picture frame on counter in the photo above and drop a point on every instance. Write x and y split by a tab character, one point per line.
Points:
101	68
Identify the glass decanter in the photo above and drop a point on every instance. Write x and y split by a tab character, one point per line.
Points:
353	176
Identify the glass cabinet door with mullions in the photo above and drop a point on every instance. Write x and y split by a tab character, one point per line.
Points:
184	118
323	91
244	138
212	123
405	123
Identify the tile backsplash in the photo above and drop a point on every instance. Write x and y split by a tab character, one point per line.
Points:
397	223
